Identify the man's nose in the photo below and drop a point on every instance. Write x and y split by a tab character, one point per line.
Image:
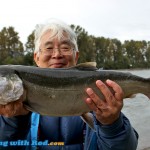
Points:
56	53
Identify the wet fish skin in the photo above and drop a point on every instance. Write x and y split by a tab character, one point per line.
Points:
61	92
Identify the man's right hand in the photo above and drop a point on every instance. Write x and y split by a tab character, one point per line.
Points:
14	108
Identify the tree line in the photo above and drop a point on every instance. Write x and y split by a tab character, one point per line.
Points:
108	53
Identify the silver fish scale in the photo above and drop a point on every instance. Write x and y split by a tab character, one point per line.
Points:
61	92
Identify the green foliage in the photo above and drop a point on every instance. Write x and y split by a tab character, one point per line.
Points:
11	48
108	53
29	46
16	61
28	59
86	45
135	51
29	50
147	55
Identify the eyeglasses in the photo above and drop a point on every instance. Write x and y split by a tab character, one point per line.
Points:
63	49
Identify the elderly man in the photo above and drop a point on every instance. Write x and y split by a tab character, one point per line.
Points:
56	47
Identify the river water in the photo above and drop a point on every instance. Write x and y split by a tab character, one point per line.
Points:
138	111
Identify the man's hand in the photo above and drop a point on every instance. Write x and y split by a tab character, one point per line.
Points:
13	108
107	110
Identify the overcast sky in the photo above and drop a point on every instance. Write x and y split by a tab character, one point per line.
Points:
121	19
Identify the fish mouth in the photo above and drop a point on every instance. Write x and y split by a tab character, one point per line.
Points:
57	65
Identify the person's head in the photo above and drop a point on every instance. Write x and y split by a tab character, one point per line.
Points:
55	45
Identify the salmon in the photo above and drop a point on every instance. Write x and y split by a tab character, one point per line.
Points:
61	91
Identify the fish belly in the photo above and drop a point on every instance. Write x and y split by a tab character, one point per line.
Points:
62	101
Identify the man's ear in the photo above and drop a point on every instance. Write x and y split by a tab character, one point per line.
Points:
36	58
76	57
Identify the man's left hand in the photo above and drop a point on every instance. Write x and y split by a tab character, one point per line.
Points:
107	110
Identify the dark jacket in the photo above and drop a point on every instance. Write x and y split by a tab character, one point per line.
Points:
70	131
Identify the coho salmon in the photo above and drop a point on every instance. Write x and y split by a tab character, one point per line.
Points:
61	91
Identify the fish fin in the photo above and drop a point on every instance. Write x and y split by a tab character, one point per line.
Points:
88	118
86	66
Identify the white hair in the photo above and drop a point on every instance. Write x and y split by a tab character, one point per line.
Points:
57	28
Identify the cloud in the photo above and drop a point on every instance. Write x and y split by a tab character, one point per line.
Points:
119	19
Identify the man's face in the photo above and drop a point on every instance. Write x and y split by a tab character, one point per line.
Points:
56	59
